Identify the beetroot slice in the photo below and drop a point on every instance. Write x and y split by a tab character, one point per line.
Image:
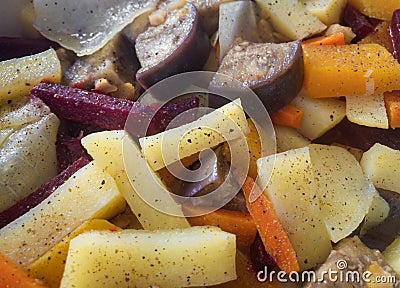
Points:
15	47
358	22
259	257
36	197
395	33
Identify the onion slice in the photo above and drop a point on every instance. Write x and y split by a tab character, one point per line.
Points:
86	26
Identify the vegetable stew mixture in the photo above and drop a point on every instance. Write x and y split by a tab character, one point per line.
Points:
321	210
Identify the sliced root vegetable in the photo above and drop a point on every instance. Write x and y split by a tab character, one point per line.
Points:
367	110
259	257
177	45
36	197
347	70
12	275
378	212
288	138
371	8
289	115
328	11
392	255
197	256
13	47
382	166
291	18
358	22
332	39
392	104
50	267
272	233
268	76
89	193
19	75
235	222
395	33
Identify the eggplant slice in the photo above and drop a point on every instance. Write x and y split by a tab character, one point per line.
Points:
273	71
177	45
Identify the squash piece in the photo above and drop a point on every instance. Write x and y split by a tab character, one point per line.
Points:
196	256
371	8
349	70
89	193
50	267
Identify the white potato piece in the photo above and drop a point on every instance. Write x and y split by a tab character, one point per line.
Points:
19	75
378	211
328	11
290	18
89	193
368	110
292	190
27	158
392	255
320	115
226	123
107	148
288	138
381	164
344	192
196	256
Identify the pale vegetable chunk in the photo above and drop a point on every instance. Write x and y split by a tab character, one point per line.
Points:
50	267
320	115
344	193
196	256
392	255
382	166
378	211
19	75
292	190
328	11
226	123
291	18
87	194
367	110
288	138
108	149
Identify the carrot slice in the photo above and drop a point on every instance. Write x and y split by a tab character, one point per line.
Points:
392	104
236	222
289	115
274	237
13	276
333	39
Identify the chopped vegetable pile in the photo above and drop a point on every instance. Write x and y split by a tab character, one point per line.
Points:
107	182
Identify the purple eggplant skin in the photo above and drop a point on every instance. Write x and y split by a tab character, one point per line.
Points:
191	55
15	47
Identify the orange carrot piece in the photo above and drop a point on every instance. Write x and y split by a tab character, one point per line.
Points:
274	237
14	276
333	39
289	115
392	104
236	222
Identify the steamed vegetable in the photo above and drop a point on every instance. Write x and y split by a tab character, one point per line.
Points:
392	255
394	29
358	22
382	10
135	258
392	104
14	47
328	11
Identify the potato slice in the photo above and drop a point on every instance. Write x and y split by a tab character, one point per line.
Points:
89	193
344	193
196	256
19	75
368	110
382	165
50	267
320	115
226	123
288	138
292	190
107	149
378	211
328	11
290	18
392	255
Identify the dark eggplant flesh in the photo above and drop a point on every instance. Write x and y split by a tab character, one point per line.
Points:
111	70
273	71
177	45
15	47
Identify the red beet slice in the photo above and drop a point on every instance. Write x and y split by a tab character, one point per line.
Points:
395	33
259	257
36	197
14	47
358	22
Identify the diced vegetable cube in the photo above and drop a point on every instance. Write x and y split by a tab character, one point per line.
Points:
392	255
197	256
328	11
371	8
